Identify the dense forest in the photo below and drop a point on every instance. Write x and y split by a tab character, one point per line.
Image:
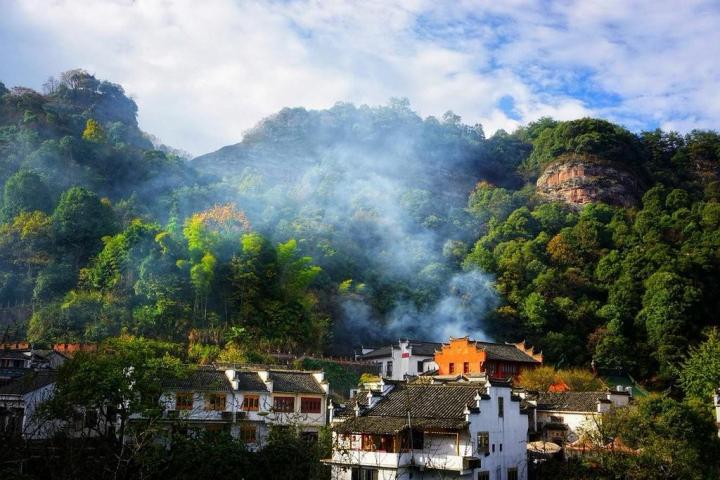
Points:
323	229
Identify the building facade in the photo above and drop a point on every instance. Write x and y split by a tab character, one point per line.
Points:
471	430
406	358
246	403
462	356
562	417
19	402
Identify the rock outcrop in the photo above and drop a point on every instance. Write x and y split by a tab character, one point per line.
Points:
581	179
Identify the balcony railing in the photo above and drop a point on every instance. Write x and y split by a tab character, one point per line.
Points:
417	458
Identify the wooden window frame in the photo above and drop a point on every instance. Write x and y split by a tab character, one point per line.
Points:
213	402
183	405
245	429
251	403
285	402
312	408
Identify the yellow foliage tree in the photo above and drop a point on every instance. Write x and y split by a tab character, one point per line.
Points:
93	132
576	379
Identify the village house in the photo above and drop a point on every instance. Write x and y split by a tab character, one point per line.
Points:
19	401
561	417
426	429
407	358
497	360
246	402
19	358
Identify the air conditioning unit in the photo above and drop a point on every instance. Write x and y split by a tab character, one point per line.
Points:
240	415
171	414
227	416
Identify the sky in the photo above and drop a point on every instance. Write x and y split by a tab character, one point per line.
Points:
204	72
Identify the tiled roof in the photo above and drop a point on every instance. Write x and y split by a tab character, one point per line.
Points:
508	353
424	348
378	353
391	425
348	408
427	401
417	347
294	382
28	383
570	401
16	354
202	380
250	381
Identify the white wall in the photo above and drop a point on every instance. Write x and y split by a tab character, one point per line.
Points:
33	427
575	421
509	430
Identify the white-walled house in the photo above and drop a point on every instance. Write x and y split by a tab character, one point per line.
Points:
560	417
407	358
19	401
246	402
470	430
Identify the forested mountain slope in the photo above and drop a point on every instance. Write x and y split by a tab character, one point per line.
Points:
322	229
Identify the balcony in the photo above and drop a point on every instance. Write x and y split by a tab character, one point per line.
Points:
418	458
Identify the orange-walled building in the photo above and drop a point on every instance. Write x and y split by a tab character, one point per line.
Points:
498	360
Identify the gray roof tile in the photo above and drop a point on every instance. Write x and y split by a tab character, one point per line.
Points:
295	382
250	381
29	382
200	380
569	401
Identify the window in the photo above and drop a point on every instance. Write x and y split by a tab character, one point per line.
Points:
414	440
483	442
483	476
248	433
388	370
251	403
378	443
360	473
420	367
501	447
512	474
501	406
310	405
284	404
451	369
493	448
466	367
183	401
215	402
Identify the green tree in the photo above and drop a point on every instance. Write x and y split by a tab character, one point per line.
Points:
25	191
700	372
80	221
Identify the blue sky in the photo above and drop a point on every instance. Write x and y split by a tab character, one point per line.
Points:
202	73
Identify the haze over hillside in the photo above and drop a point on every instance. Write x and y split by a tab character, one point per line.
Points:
322	229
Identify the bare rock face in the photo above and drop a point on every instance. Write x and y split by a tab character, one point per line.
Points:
581	179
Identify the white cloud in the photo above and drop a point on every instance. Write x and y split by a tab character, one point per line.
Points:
203	72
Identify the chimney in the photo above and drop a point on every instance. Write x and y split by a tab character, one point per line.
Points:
331	410
466	412
477	399
357	409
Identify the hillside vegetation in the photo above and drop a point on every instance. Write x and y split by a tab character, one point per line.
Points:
324	229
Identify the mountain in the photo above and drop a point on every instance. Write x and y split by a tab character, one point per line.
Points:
322	229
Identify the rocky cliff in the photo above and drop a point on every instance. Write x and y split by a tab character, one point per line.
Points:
581	179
